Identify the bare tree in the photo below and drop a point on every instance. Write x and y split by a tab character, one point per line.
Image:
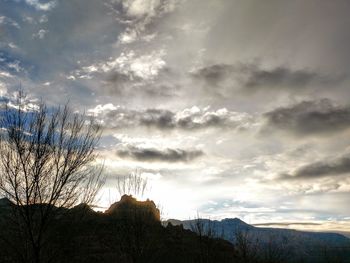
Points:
205	230
47	159
136	225
275	250
133	184
246	246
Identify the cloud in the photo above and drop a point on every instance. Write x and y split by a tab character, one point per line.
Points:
127	67
40	34
309	117
154	155
254	77
158	58
41	6
43	19
78	37
335	167
139	8
188	119
287	224
282	76
10	65
213	74
8	21
130	74
138	15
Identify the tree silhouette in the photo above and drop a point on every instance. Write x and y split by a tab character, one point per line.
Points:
133	184
246	245
204	228
46	164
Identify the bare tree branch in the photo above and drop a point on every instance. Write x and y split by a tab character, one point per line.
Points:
47	162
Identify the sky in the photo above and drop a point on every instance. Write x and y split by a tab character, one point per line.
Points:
230	108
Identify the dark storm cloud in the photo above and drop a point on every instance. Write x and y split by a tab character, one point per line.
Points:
335	167
152	154
214	74
310	117
124	118
117	83
252	76
118	77
162	119
284	77
189	119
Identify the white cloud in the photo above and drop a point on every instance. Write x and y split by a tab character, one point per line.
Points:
145	67
15	66
28	19
41	34
8	21
43	19
100	109
3	88
90	69
118	117
149	37
128	36
5	74
41	6
138	8
13	45
70	77
139	14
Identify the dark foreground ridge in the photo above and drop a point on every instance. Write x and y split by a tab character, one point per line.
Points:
131	231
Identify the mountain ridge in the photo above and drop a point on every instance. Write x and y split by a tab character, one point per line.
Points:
227	228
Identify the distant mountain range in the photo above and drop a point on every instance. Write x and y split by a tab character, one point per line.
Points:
294	243
229	227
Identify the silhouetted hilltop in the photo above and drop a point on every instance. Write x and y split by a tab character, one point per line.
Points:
81	210
129	207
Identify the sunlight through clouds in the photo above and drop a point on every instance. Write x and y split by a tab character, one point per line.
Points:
234	108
